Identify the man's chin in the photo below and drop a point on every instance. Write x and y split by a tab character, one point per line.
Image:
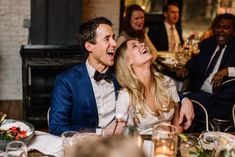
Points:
110	63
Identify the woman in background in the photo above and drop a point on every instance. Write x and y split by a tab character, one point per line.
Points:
147	97
133	27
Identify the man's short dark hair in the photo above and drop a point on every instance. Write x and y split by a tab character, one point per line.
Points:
226	16
166	7
87	31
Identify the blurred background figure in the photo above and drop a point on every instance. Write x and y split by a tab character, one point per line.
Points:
211	67
133	27
209	32
166	35
111	146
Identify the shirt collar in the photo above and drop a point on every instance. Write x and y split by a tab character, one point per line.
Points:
167	25
91	70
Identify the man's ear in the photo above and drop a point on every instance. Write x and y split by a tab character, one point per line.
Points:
89	46
165	14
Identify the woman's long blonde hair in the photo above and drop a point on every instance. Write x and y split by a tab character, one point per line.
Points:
127	79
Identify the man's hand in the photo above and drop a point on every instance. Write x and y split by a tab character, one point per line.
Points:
186	112
218	77
182	73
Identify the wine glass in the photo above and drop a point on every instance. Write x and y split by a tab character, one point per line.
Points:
16	149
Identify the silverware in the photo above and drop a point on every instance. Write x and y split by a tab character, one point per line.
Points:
2	117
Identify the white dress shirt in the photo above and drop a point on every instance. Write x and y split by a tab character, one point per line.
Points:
105	98
207	86
176	35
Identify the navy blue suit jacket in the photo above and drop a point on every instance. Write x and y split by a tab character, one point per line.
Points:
197	66
223	97
158	35
73	104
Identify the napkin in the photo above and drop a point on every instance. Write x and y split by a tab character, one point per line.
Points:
47	144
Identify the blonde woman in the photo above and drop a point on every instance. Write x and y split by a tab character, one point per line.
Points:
147	97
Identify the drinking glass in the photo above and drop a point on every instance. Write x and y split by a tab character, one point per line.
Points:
164	140
130	131
68	141
16	149
2	153
188	146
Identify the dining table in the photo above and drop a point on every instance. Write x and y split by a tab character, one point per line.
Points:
168	63
44	144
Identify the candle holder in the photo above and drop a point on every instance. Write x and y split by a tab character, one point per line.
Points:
164	140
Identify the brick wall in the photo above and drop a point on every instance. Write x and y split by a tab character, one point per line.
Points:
106	8
13	35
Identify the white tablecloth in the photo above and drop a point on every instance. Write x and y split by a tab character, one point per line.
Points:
47	144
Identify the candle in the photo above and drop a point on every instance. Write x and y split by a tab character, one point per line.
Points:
163	151
139	141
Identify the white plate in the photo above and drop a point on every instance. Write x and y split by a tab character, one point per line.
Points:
8	123
214	140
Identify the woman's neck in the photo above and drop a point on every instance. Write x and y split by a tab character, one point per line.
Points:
146	78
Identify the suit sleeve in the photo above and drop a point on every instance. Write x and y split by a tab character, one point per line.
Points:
61	106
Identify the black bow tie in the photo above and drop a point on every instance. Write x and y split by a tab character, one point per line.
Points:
107	76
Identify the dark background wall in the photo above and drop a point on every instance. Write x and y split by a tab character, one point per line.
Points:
55	21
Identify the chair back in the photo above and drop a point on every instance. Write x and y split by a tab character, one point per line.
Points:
233	115
225	99
205	111
48	116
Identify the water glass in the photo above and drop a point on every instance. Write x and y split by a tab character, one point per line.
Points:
16	149
186	147
68	141
164	140
2	153
130	131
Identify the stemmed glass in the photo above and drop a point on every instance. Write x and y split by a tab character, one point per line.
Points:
16	149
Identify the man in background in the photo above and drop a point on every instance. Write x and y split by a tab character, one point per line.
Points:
166	35
211	67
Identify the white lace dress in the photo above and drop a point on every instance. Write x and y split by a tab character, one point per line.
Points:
125	112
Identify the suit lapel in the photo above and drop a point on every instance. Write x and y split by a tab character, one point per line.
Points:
86	89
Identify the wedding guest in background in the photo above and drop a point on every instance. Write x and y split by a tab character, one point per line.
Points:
167	34
151	96
209	32
211	67
133	27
